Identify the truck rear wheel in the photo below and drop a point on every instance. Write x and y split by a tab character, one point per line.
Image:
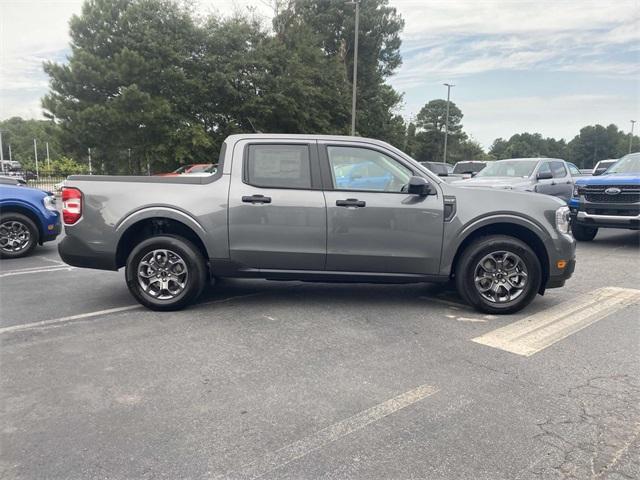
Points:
582	233
498	274
18	235
166	272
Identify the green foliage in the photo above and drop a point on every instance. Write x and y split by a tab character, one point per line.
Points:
332	23
593	143
596	142
145	76
19	134
528	145
429	140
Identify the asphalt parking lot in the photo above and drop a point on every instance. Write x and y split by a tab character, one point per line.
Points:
292	380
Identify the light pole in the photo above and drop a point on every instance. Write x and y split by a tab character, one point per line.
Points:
1	152
446	121
355	66
633	123
48	159
90	169
35	153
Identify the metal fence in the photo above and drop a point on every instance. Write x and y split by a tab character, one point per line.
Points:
46	183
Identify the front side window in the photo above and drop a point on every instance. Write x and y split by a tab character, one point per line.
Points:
573	170
278	166
544	168
354	168
558	170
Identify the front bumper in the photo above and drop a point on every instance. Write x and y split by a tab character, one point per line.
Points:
51	228
630	222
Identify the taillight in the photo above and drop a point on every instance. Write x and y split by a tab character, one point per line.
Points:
71	205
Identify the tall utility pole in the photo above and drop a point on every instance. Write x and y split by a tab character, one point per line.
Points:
2	153
446	121
633	123
48	159
355	66
10	159
90	170
35	153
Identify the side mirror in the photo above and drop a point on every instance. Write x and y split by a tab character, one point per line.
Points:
420	186
544	176
599	171
445	174
473	174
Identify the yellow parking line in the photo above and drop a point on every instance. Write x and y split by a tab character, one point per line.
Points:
539	331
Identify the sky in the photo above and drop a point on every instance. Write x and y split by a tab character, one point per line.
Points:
539	66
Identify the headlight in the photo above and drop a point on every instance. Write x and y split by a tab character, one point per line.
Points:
576	191
50	203
563	220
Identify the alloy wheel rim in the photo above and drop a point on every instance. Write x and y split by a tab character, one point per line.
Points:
14	236
501	277
162	274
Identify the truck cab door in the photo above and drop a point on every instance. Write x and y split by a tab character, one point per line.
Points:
563	187
277	211
544	185
373	224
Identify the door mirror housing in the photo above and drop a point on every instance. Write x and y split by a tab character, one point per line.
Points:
544	176
600	171
420	186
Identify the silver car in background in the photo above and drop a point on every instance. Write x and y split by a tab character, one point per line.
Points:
550	176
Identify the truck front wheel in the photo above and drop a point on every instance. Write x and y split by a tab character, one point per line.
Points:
498	274
165	272
582	233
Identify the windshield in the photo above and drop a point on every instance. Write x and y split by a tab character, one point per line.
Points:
509	168
627	164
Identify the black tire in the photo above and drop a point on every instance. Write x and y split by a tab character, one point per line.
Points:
195	268
25	223
583	233
478	250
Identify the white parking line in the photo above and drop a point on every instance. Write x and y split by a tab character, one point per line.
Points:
274	460
539	331
46	323
26	271
82	316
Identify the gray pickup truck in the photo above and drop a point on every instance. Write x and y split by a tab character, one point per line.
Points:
316	208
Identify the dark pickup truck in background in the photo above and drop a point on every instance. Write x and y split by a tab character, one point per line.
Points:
316	208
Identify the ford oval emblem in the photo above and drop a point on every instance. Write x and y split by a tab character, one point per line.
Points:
612	191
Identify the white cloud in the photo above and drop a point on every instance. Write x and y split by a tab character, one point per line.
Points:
552	116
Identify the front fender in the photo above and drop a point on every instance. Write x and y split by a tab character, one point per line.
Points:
456	233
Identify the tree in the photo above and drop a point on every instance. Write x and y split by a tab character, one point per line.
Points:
430	139
19	134
528	145
332	21
126	82
596	142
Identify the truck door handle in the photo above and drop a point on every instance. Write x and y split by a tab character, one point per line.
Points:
351	202
256	199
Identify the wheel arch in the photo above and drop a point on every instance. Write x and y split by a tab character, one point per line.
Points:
27	212
140	228
519	230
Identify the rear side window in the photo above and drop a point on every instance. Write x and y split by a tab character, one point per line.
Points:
558	170
278	166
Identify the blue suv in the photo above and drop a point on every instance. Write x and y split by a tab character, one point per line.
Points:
28	217
611	200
